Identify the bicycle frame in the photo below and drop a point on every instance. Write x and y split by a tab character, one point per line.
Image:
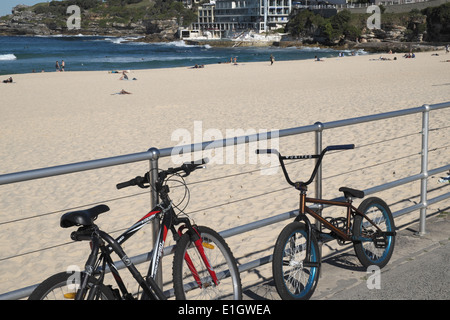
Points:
351	211
101	241
168	222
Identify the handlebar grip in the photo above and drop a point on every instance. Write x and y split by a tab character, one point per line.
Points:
266	151
125	184
340	147
194	164
204	161
188	167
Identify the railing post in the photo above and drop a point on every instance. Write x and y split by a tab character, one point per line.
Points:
424	170
154	200
318	182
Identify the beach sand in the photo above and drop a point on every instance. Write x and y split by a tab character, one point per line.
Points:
50	119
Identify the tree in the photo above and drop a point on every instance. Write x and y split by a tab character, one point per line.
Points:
303	23
438	22
333	29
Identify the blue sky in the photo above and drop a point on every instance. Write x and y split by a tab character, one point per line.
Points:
7	5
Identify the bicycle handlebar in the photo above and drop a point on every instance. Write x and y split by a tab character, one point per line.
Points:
138	181
187	167
267	151
340	147
314	156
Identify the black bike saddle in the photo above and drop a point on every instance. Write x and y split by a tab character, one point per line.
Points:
82	217
348	193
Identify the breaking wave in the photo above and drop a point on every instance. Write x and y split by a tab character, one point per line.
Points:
9	56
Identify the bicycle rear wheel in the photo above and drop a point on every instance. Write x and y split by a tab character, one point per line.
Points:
200	285
60	287
376	252
294	280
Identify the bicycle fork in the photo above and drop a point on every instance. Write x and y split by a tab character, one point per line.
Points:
198	241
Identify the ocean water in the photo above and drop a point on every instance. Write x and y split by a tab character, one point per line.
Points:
22	54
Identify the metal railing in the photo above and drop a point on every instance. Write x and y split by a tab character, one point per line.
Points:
153	155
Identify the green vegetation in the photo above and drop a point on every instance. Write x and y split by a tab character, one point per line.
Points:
120	11
434	21
343	25
438	22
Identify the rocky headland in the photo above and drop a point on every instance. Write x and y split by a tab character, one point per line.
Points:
25	21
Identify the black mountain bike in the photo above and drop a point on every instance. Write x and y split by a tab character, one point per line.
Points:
203	264
296	257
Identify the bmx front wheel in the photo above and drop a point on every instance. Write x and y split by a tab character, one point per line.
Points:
294	279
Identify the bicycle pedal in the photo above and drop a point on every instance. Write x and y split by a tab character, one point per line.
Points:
380	243
311	264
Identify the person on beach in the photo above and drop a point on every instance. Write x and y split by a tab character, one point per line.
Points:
57	66
124	76
9	80
316	58
63	66
409	55
272	59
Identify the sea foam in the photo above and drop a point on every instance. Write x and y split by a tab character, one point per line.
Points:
9	56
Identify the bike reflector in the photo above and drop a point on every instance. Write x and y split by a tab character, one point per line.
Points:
70	295
208	245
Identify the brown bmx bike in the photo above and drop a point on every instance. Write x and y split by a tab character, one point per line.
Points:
297	257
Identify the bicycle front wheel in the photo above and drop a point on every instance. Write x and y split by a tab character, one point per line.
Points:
294	280
192	279
377	252
61	287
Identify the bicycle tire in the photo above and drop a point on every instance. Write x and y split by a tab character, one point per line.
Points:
221	259
293	280
57	287
366	251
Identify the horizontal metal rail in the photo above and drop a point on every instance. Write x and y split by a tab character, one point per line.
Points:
154	154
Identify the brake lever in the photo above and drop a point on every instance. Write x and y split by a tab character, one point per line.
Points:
143	180
186	173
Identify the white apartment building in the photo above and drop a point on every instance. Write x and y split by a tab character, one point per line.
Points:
221	17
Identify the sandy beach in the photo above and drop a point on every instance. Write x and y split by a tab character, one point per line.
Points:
56	118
